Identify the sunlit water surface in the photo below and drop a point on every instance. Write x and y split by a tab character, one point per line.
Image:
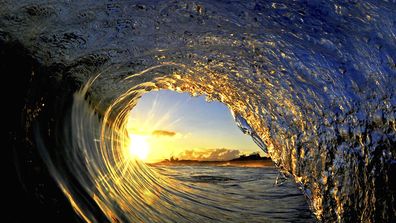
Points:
313	83
248	194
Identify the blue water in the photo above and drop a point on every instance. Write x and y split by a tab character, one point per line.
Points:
245	194
315	82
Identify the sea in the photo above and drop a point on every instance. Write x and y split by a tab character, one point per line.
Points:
244	194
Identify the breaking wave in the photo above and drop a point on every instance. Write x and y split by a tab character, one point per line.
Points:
312	83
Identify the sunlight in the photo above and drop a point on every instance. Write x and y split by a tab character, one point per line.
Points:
138	147
177	125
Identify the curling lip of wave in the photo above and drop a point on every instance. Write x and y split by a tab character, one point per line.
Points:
312	82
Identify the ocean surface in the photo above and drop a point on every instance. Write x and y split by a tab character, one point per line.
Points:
313	83
244	194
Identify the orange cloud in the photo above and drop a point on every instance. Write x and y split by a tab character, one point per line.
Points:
163	133
210	154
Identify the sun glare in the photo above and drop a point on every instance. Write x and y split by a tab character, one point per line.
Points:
138	147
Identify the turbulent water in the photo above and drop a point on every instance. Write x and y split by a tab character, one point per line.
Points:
247	194
313	83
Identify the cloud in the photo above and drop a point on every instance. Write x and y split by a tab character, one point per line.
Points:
210	154
163	133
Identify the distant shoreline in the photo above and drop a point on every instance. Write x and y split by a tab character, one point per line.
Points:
237	163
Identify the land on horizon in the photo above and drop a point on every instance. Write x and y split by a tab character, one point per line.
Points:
252	160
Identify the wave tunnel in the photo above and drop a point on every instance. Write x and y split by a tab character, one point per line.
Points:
313	83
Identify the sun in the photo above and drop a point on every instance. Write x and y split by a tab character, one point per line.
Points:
138	146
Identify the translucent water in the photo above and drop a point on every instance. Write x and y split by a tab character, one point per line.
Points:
245	128
314	80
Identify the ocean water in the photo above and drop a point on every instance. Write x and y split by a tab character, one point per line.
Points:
245	194
313	83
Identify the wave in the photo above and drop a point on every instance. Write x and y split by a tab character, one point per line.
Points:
313	83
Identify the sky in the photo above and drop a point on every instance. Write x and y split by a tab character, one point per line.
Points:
186	127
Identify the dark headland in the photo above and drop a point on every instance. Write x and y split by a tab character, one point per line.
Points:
252	160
